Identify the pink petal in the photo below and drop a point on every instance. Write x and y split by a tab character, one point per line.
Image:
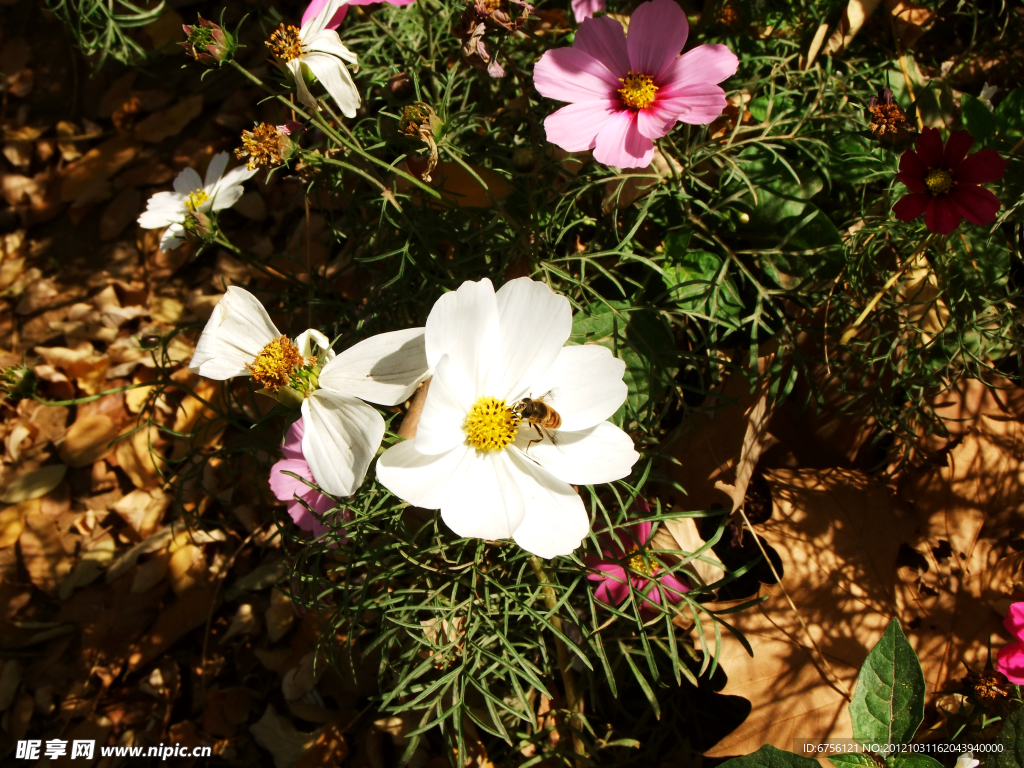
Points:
1010	662
942	216
674	588
620	144
293	440
584	9
285	487
657	34
317	5
574	128
652	126
642	531
604	40
976	204
1014	621
697	104
909	207
704	64
612	592
957	146
567	74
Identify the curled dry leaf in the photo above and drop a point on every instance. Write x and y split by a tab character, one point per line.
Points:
88	440
34	484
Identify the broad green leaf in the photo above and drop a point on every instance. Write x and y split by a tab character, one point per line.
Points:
915	761
1010	115
977	119
852	760
888	704
770	757
1011	742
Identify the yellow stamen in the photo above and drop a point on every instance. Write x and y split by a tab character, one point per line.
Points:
647	567
262	146
196	199
939	181
285	43
275	364
490	425
637	90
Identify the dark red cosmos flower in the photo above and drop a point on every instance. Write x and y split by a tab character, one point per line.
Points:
944	182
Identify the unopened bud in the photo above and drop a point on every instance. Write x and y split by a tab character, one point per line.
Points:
208	43
199	229
401	86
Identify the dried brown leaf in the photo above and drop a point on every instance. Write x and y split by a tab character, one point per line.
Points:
96	166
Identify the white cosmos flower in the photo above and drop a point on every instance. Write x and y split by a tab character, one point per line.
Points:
318	50
342	432
966	760
487	351
192	195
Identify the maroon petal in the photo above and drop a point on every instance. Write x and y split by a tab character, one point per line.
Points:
911	206
980	168
929	147
912	169
942	216
956	148
976	204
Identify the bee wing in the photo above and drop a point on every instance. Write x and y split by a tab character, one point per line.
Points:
549	396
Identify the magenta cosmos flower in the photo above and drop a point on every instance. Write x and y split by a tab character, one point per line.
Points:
294	491
611	574
339	16
1010	658
944	182
584	9
624	93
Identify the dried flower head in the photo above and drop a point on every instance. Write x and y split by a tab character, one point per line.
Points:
265	146
730	16
987	687
419	121
889	123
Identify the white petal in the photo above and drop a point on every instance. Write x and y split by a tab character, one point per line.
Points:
342	436
236	332
316	25
464	325
488	502
383	369
440	426
422	480
225	197
329	42
331	71
308	338
600	454
215	170
187	181
535	324
228	189
556	520
586	385
295	67
172	237
162	209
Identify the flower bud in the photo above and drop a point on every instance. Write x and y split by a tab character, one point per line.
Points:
17	382
208	43
199	229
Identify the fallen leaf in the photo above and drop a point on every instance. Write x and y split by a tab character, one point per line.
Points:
87	367
88	440
119	213
143	510
187	568
43	553
280	616
244	622
137	457
89	567
96	165
150	573
281	739
12	521
169	122
681	533
34	484
186	613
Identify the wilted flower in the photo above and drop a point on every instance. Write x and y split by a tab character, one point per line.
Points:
208	43
481	17
316	50
267	146
192	196
492	467
626	94
419	121
342	433
889	123
944	182
1010	658
300	497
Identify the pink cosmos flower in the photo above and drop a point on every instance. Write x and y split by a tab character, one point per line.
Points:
611	575
317	5
624	93
288	488
584	9
1010	658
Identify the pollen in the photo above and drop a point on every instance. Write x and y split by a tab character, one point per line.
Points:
262	146
196	199
490	425
939	181
887	119
285	43
275	364
637	90
647	567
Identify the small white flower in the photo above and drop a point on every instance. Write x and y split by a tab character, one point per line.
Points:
966	760
320	51
191	195
342	432
494	476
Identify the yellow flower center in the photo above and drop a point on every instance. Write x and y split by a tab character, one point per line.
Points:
647	567
275	364
490	425
637	90
285	43
939	181
196	199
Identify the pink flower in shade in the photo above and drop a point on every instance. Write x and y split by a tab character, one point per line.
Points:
611	575
290	489
584	9
944	182
624	93
1010	658
339	16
